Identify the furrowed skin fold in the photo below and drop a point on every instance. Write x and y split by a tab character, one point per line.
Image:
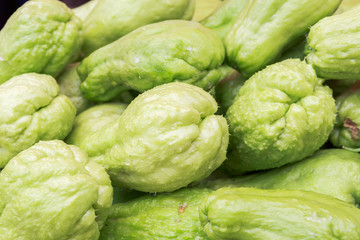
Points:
264	28
282	114
42	36
333	46
165	139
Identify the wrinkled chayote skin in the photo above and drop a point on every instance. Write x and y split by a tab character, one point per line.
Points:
223	19
204	8
163	216
334	172
346	132
69	82
249	213
282	114
52	192
165	139
174	50
333	46
32	109
111	19
94	119
41	36
264	28
227	89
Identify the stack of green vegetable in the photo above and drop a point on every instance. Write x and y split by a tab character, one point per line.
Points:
110	126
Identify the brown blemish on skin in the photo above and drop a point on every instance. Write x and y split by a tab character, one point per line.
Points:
182	208
354	130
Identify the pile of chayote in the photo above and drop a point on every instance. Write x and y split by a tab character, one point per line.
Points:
180	119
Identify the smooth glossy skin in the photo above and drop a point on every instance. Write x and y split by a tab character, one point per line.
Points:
264	28
223	19
52	192
166	138
158	53
163	216
32	109
333	46
346	132
334	172
111	19
41	36
249	213
282	114
70	82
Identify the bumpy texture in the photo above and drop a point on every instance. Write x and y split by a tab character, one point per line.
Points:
334	172
249	213
166	138
223	19
95	119
70	82
51	192
31	110
41	36
158	53
163	216
111	19
282	114
346	132
333	46
264	28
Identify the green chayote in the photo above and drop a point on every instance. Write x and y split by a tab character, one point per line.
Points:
282	114
174	50
69	82
334	172
227	89
346	5
32	109
41	36
333	46
204	8
85	9
249	213
163	216
94	119
346	132
223	19
111	19
264	28
52	192
165	139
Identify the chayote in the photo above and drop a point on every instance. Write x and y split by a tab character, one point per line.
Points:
111	19
334	172
346	132
41	36
174	50
165	139
223	19
346	5
95	119
282	114
249	213
163	216
52	192
227	89
333	46
264	28
85	9
69	82
204	8
32	109
340	86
